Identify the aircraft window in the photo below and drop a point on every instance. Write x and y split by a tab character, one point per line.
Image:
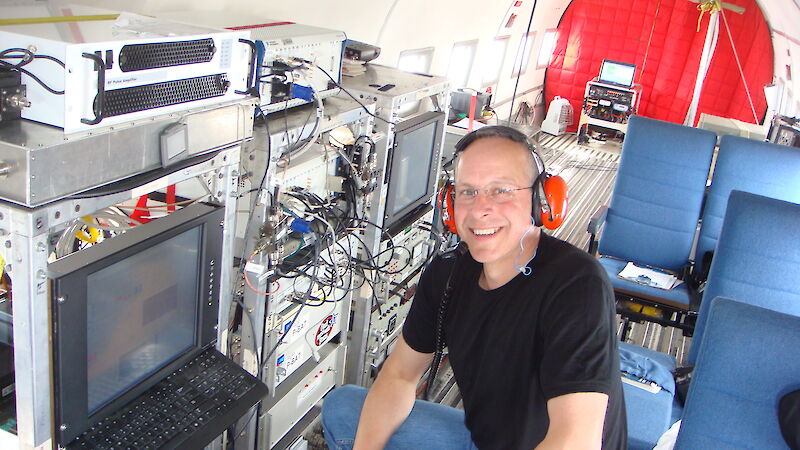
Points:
417	60
546	51
494	60
461	60
523	54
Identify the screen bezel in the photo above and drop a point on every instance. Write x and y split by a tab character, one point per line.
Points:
69	277
401	130
617	63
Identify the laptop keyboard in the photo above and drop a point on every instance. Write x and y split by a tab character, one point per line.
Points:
187	409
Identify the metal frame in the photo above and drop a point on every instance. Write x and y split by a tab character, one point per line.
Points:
285	129
42	160
372	86
28	241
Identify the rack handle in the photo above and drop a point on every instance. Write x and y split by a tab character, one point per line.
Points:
99	99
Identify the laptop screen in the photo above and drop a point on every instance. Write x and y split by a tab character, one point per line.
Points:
140	315
132	309
617	73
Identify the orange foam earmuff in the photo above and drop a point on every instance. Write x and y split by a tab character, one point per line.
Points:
445	201
554	208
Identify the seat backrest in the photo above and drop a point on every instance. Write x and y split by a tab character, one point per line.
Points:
748	361
752	166
655	205
757	258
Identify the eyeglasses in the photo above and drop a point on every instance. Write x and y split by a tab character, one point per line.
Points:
498	194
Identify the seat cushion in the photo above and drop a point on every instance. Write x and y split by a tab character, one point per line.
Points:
649	414
649	365
677	296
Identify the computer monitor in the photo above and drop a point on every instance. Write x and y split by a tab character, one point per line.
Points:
617	73
130	310
412	165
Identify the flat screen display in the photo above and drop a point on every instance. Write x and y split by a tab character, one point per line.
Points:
617	73
141	315
411	166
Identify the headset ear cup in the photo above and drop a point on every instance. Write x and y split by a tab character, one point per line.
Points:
536	202
445	201
557	200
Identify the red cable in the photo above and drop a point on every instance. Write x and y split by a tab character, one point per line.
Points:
138	214
170	198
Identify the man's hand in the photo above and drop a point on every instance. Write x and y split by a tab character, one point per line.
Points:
391	397
576	421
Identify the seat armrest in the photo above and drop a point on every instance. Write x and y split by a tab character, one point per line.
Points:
597	220
594	227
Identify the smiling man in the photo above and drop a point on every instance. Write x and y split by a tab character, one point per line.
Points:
530	329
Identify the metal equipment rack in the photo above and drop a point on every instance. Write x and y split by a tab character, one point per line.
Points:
54	174
391	90
295	396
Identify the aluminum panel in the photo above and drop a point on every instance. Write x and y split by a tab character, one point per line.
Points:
44	164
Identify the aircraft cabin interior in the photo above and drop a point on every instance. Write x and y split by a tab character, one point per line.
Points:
213	213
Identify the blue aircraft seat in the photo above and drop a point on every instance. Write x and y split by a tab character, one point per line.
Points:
747	361
655	207
746	165
757	258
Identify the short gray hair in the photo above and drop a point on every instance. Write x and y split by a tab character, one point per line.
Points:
504	132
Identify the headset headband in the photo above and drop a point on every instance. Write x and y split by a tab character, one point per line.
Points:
549	209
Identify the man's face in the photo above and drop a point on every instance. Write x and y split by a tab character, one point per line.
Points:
493	226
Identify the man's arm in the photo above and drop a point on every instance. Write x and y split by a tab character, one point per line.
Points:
391	397
576	421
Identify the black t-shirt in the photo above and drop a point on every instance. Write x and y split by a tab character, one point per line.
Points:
535	338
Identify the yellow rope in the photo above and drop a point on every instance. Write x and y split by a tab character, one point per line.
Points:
32	20
707	6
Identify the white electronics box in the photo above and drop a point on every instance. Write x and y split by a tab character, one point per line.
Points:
103	68
294	60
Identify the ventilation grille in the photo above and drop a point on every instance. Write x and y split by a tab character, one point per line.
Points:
165	54
139	98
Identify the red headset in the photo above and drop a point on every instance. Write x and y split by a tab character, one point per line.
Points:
550	198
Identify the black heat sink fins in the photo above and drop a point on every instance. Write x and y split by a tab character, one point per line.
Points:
139	98
165	54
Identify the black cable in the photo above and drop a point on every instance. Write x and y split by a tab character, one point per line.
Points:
265	360
450	285
245	311
352	96
297	145
27	57
521	61
259	189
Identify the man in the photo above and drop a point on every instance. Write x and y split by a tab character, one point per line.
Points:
530	329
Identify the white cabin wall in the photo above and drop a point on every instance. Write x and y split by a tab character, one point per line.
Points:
397	25
152	7
783	17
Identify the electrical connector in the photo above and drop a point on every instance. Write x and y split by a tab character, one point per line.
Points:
302	92
301	226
